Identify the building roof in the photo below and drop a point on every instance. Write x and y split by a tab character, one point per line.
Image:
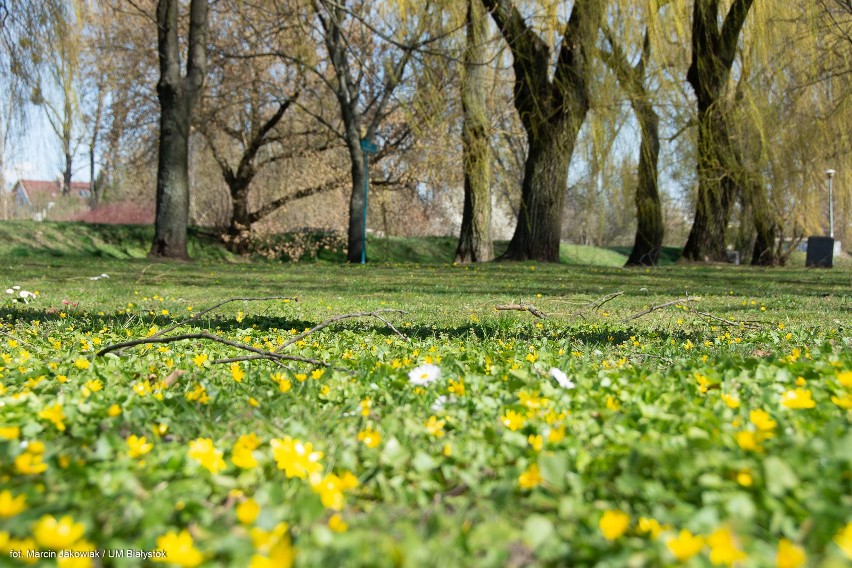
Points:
41	190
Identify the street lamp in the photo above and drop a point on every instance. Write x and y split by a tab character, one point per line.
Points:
830	173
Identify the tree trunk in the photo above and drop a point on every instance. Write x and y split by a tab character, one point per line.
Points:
539	227
357	213
765	252
67	173
717	189
172	178
475	243
649	213
552	108
177	95
713	53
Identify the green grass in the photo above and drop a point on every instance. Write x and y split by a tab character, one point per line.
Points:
645	433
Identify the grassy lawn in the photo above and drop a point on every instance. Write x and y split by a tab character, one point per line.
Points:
683	419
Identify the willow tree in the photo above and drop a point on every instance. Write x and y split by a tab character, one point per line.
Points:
177	94
714	48
475	244
649	214
552	105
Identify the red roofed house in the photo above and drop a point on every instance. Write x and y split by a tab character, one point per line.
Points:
39	200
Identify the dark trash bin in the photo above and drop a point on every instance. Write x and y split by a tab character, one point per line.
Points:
820	252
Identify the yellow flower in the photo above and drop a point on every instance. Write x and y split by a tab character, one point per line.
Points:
845	379
203	451
179	549
30	464
512	420
337	524
798	398
138	447
761	419
790	555
283	383
331	487
843	539
613	524
435	427
612	403
843	402
247	511
456	387
11	505
748	441
530	478
199	360
243	457
556	435
370	437
685	545
10	432
723	547
301	377
650	526
295	458
536	442
81	363
54	414
57	535
237	372
744	478
275	544
317	373
114	410
731	401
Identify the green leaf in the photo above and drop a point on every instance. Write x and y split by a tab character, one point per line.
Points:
779	476
537	530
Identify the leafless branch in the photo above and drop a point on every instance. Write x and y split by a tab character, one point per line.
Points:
660	306
521	308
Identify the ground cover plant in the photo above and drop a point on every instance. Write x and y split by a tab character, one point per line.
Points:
711	431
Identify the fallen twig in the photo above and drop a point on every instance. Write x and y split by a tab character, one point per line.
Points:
660	306
330	321
18	339
521	308
258	354
197	315
748	324
596	305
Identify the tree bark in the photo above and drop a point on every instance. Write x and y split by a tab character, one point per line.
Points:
357	214
552	110
649	213
177	95
713	52
475	244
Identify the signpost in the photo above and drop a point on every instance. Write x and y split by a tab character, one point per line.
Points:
368	147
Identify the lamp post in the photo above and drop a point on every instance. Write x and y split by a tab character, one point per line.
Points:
368	147
830	173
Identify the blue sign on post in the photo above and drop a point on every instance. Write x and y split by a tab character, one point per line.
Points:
368	147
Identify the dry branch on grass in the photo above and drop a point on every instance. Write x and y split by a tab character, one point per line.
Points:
257	354
521	308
